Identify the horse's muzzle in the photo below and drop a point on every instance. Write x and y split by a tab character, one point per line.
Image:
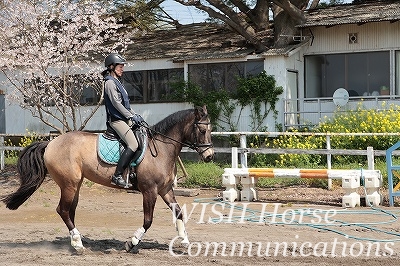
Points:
209	158
207	154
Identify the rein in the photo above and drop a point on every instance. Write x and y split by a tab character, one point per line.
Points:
193	146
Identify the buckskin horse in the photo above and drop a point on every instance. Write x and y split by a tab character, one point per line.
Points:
71	157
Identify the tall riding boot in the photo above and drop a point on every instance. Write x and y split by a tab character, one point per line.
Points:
132	174
124	161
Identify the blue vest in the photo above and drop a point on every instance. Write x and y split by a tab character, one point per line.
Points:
112	112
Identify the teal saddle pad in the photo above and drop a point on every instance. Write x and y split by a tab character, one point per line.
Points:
110	149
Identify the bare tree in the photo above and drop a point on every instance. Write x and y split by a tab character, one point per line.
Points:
144	15
258	20
51	56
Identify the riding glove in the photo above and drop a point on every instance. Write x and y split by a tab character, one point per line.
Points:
137	119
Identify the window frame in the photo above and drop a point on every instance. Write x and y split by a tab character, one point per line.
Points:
350	68
146	83
228	80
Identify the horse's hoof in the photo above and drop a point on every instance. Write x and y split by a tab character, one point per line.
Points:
76	243
79	250
131	248
185	242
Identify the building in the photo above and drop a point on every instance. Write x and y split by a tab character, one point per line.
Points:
355	47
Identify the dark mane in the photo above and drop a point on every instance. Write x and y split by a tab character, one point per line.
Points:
167	123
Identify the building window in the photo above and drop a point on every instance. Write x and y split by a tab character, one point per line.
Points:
134	83
156	85
361	74
218	76
151	85
159	83
88	89
397	69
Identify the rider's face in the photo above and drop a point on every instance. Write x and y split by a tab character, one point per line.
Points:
119	70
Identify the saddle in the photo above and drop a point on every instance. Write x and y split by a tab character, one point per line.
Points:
110	146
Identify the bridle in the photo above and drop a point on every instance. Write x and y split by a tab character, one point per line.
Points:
194	146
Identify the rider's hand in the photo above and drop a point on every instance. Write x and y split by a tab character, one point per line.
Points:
137	119
130	122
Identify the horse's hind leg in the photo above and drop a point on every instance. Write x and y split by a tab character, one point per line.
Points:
170	200
66	209
74	205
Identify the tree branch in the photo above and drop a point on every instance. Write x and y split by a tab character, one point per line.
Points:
291	9
314	4
230	17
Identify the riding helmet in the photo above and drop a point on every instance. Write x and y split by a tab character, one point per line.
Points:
114	59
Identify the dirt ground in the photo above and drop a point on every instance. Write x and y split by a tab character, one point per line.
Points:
35	234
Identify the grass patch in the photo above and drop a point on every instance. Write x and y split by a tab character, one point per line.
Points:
202	175
209	175
12	160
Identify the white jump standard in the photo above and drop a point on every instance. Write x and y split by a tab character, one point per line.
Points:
351	180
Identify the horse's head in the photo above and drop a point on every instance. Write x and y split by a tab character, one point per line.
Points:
202	134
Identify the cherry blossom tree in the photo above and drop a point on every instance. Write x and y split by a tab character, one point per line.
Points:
52	55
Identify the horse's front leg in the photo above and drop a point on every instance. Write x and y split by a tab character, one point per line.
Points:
169	199
149	202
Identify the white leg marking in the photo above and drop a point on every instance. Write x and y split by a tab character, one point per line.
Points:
76	241
180	227
137	236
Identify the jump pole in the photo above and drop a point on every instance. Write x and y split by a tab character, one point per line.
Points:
351	180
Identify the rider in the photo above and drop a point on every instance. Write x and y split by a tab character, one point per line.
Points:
120	116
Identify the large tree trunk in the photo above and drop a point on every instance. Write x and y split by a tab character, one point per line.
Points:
287	14
254	23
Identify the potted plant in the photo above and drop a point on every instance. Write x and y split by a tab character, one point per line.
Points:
384	90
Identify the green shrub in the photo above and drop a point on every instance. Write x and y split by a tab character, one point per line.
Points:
11	156
361	120
203	175
259	92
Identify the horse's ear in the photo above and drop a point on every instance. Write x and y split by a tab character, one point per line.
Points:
200	112
205	109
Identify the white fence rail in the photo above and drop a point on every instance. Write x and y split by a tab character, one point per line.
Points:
4	147
243	150
306	112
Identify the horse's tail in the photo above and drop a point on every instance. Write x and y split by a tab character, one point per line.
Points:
32	172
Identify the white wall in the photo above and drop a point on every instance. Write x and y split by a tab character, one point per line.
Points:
277	66
371	37
19	121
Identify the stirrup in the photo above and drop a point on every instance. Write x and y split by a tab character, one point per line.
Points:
133	180
119	181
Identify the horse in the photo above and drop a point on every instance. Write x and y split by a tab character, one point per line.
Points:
71	157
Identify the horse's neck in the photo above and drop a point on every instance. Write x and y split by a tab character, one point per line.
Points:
179	135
